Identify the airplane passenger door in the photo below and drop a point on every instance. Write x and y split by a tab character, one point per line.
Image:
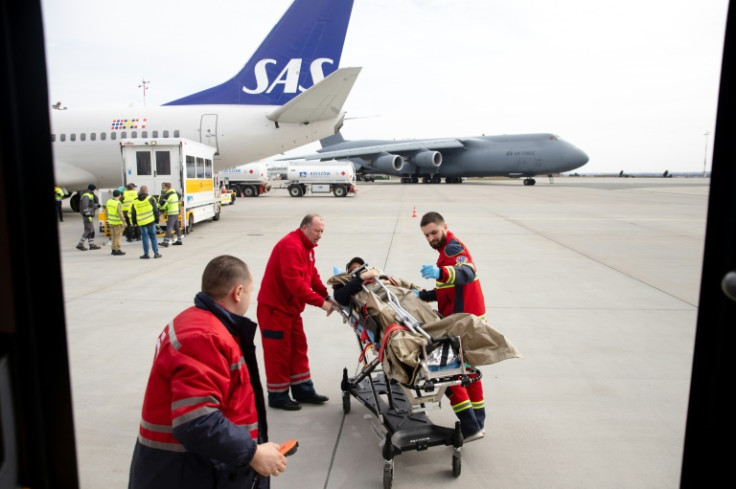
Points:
208	131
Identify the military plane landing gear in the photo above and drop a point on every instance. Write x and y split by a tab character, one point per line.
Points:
529	181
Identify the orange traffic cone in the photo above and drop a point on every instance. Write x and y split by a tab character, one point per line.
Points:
414	212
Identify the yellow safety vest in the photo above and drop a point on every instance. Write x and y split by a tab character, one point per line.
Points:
143	211
128	197
58	193
112	206
172	203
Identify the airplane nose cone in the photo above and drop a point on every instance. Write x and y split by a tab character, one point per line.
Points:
576	157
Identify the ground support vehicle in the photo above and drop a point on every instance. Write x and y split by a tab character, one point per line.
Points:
184	163
250	180
333	176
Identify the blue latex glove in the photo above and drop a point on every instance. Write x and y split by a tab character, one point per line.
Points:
430	271
337	270
416	292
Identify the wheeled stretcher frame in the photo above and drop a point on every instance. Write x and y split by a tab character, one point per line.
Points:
401	409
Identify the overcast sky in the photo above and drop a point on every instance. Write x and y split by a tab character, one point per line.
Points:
634	83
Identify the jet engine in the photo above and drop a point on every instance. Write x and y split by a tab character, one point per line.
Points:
427	159
389	163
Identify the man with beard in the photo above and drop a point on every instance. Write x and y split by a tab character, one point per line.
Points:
457	289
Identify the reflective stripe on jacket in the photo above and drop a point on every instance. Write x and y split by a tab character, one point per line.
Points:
113	218
458	288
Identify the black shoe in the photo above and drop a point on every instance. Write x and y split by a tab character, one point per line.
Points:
81	247
165	245
145	257
315	399
177	243
287	406
93	247
157	255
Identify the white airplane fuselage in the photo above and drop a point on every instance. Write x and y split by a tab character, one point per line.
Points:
86	143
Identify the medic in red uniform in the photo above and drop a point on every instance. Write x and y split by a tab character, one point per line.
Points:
203	422
290	282
457	289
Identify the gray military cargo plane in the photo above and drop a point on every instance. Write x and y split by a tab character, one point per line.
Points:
513	156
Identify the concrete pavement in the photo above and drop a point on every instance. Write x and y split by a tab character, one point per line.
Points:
596	281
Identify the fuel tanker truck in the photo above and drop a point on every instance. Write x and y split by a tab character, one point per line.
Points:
333	176
250	180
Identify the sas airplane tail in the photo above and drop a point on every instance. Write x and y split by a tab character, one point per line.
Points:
304	47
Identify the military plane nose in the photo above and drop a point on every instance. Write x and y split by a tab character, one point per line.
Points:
576	157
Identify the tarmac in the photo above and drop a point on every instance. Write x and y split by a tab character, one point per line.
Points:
595	280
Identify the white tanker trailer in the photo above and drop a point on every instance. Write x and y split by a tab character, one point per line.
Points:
333	176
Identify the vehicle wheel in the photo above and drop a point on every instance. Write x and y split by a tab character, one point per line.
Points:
339	191
189	226
457	464
74	202
216	217
295	191
388	474
346	402
249	191
233	196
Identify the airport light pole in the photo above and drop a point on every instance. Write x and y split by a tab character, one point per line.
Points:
144	85
705	154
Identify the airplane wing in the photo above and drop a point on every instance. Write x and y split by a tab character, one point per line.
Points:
322	101
400	148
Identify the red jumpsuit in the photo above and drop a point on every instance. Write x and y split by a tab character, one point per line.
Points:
290	282
458	290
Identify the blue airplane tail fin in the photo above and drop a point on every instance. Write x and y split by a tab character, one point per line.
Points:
303	48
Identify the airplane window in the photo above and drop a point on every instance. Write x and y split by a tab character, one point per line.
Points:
143	162
176	133
163	163
62	137
72	137
144	134
133	134
200	168
53	138
93	136
102	136
154	134
166	134
123	135
83	137
113	135
191	167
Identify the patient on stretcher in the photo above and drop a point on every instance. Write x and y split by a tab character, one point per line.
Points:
481	344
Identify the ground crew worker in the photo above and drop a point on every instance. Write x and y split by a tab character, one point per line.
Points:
87	207
203	422
457	290
169	203
59	196
144	214
129	195
116	221
290	282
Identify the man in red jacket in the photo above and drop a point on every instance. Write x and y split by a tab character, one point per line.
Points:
203	423
290	282
457	289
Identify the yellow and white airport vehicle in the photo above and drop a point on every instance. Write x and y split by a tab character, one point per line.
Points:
184	163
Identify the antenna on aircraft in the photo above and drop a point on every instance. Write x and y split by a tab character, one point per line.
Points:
144	85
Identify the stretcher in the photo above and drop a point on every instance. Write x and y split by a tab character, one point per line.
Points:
399	401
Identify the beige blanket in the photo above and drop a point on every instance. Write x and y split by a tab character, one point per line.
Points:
481	343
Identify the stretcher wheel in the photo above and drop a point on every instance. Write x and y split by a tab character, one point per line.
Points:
388	474
457	463
346	402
